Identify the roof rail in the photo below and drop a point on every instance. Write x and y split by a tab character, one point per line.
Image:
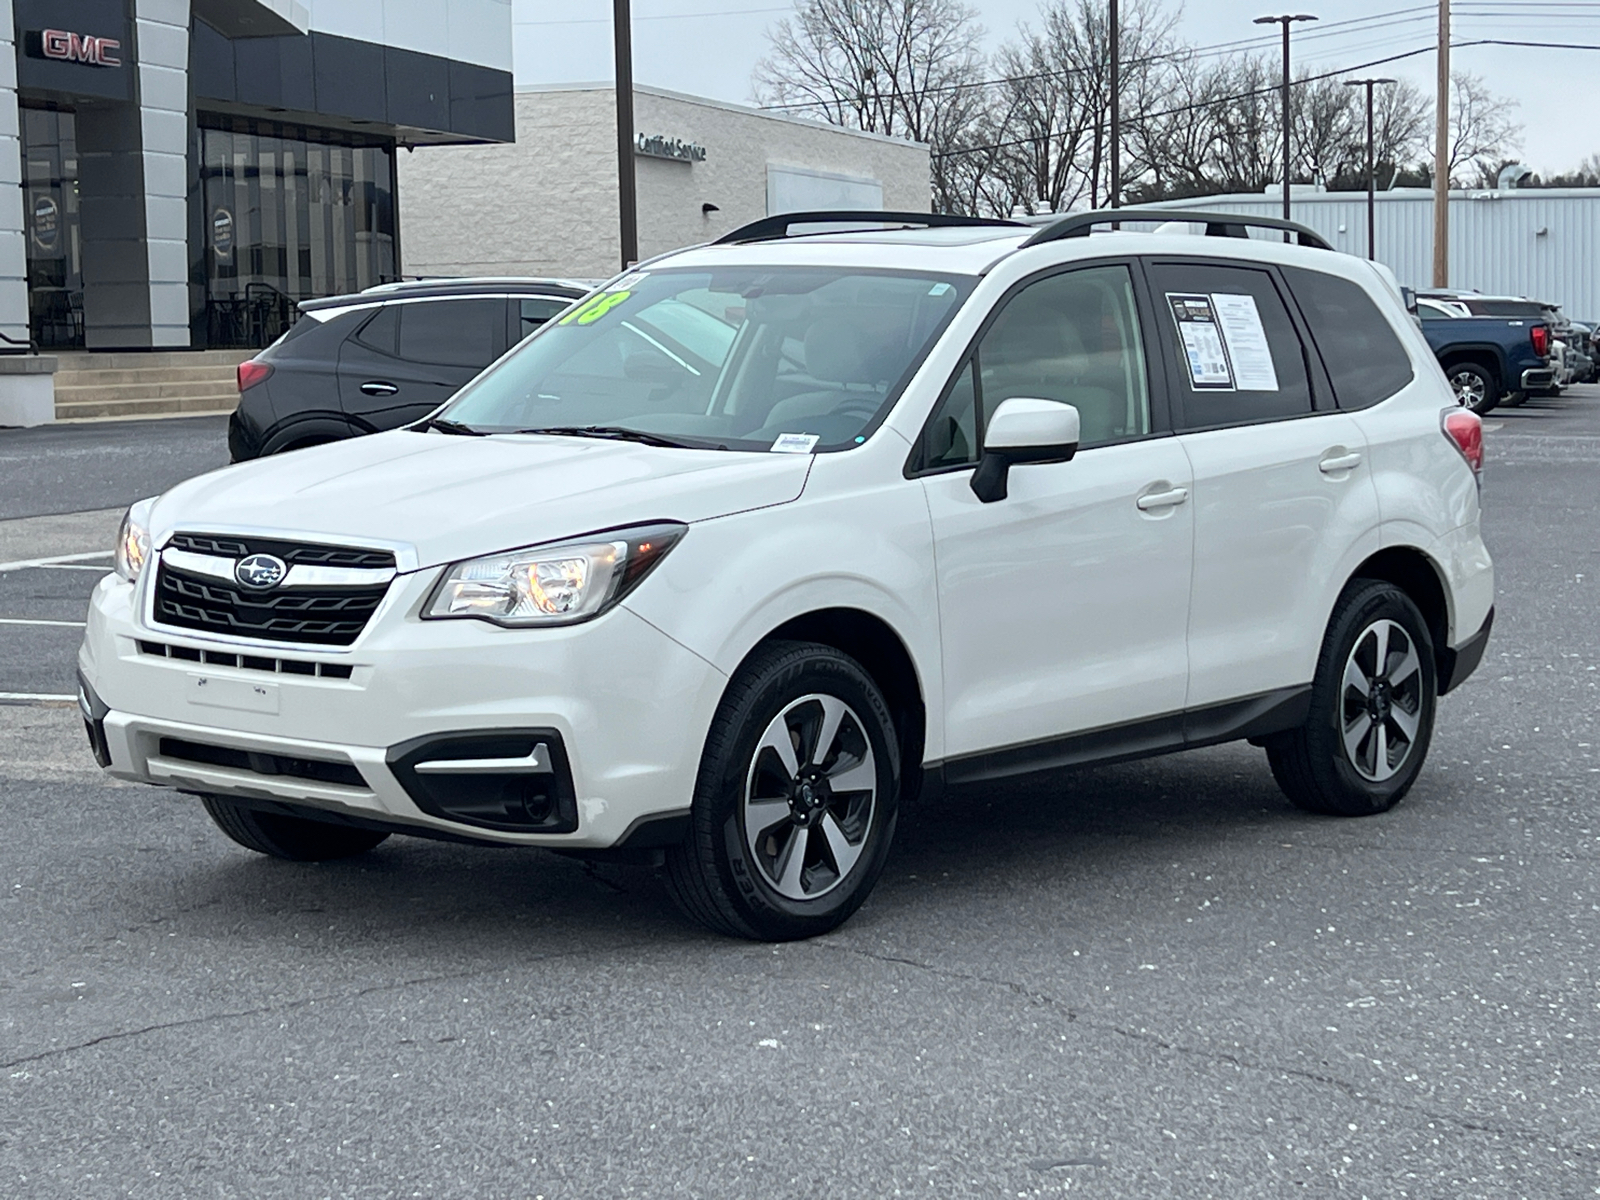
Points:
775	228
1217	224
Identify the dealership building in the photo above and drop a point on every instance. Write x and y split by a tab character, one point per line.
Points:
546	202
186	170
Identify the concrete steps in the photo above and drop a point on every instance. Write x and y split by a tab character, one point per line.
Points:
154	384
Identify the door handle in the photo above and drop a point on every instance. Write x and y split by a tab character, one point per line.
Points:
376	387
1169	499
1344	462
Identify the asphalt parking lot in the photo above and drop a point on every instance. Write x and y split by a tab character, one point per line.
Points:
1152	980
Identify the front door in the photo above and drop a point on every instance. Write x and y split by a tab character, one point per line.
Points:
1062	607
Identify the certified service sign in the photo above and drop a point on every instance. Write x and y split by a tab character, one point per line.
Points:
675	149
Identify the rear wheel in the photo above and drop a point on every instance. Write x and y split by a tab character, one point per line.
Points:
1372	706
297	839
1514	399
1474	386
796	801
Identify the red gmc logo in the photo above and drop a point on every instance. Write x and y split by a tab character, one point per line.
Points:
80	48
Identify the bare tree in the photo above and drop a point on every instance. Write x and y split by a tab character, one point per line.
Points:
906	68
1483	130
1055	84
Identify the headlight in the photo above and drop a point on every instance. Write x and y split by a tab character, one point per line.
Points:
133	540
559	584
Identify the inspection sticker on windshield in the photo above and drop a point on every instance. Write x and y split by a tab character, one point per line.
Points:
794	443
1209	369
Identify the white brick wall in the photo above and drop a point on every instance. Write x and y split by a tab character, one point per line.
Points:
547	205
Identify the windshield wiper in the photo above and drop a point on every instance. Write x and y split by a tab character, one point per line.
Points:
616	433
446	425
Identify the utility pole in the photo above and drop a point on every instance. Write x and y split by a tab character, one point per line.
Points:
1116	106
627	186
1286	20
1441	156
1372	171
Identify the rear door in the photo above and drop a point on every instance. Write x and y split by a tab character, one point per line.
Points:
1284	503
413	355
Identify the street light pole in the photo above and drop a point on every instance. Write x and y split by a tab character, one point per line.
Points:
1116	106
1372	177
627	186
1286	20
1441	156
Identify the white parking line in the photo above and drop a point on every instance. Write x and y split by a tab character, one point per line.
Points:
32	621
38	697
65	562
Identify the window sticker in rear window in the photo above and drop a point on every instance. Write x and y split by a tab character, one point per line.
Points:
1246	340
1209	369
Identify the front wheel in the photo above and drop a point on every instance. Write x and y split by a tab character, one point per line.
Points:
298	839
796	801
1474	387
1372	706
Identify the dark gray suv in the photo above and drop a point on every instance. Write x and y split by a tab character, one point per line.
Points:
382	358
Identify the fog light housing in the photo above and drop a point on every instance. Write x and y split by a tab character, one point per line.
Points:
510	780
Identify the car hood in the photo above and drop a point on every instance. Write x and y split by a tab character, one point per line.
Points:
452	497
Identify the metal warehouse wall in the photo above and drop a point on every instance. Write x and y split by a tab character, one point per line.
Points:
1541	243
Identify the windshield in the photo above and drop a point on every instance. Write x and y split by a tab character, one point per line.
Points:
747	358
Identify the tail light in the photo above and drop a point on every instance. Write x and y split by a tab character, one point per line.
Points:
1465	432
1541	340
252	372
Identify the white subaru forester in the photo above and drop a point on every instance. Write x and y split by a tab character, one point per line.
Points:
763	537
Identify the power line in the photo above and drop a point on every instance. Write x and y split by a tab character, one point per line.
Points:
1262	91
736	12
1218	49
1196	107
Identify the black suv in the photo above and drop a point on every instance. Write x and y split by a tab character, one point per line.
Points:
382	358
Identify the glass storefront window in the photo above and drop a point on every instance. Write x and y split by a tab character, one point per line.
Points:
289	217
55	242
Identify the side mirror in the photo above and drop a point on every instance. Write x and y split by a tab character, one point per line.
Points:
1023	431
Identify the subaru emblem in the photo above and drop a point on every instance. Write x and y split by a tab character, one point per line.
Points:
260	571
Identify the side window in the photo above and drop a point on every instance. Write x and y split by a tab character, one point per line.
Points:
951	439
455	333
1072	337
382	330
536	311
1233	345
1365	360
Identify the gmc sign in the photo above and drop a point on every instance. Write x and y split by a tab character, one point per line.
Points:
65	46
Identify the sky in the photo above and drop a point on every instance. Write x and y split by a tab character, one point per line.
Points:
709	48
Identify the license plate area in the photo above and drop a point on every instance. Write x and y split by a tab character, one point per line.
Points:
241	695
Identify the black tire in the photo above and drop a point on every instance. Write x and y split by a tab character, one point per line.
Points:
1315	765
726	874
1475	386
297	839
1514	399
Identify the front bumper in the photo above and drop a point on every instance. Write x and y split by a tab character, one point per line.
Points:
622	710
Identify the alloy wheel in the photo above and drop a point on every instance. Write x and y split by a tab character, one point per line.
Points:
809	797
1381	700
1470	388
